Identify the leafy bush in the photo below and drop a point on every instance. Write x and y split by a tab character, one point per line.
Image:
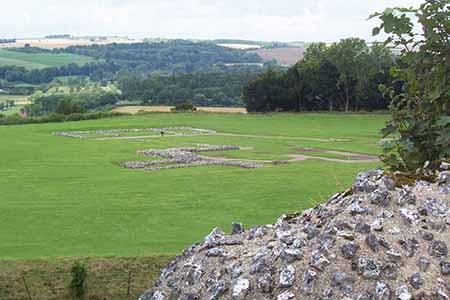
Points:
420	124
16	119
185	106
78	281
68	101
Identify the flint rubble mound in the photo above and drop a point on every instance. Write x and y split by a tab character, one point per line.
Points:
376	241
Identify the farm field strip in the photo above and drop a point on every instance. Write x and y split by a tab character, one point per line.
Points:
137	109
40	60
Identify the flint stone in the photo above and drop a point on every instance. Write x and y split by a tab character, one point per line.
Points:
287	276
318	260
410	246
218	289
377	225
343	281
364	182
437	207
445	268
290	255
402	293
362	228
286	296
416	281
394	255
382	291
438	249
215	252
372	242
380	197
443	177
307	285
406	197
349	250
423	263
265	283
237	228
387	182
367	268
410	216
240	289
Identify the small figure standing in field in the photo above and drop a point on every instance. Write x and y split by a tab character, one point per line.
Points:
162	133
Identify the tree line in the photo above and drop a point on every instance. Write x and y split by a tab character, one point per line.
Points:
143	59
168	57
200	88
344	76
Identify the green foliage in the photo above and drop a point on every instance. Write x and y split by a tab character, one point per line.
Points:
169	57
16	119
201	88
71	100
78	281
420	125
344	76
184	107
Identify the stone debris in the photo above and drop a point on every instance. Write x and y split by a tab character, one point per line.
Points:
172	131
376	241
175	158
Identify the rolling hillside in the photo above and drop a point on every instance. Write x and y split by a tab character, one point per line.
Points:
40	60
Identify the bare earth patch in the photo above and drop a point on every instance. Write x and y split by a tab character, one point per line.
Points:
166	109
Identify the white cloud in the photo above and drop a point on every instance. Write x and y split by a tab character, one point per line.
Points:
325	20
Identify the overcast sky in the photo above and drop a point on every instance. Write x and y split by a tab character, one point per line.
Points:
281	20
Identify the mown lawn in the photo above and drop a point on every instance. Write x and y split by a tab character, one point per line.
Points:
63	197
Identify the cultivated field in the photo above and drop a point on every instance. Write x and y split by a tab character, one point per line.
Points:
136	109
240	46
63	196
40	60
288	56
18	100
67	42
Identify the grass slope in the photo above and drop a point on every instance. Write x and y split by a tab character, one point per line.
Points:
40	60
63	197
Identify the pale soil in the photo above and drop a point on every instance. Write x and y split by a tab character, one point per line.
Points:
285	56
64	43
301	157
240	46
136	109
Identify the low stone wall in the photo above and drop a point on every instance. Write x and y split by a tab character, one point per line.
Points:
175	158
173	131
378	240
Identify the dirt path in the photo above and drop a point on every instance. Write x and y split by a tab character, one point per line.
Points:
284	137
231	134
302	157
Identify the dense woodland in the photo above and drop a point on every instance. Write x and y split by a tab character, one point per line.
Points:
143	59
344	76
169	57
6	41
202	89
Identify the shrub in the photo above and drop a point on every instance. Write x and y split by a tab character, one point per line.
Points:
185	106
17	119
420	124
78	281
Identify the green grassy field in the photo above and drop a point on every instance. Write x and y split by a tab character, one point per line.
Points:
40	60
64	197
